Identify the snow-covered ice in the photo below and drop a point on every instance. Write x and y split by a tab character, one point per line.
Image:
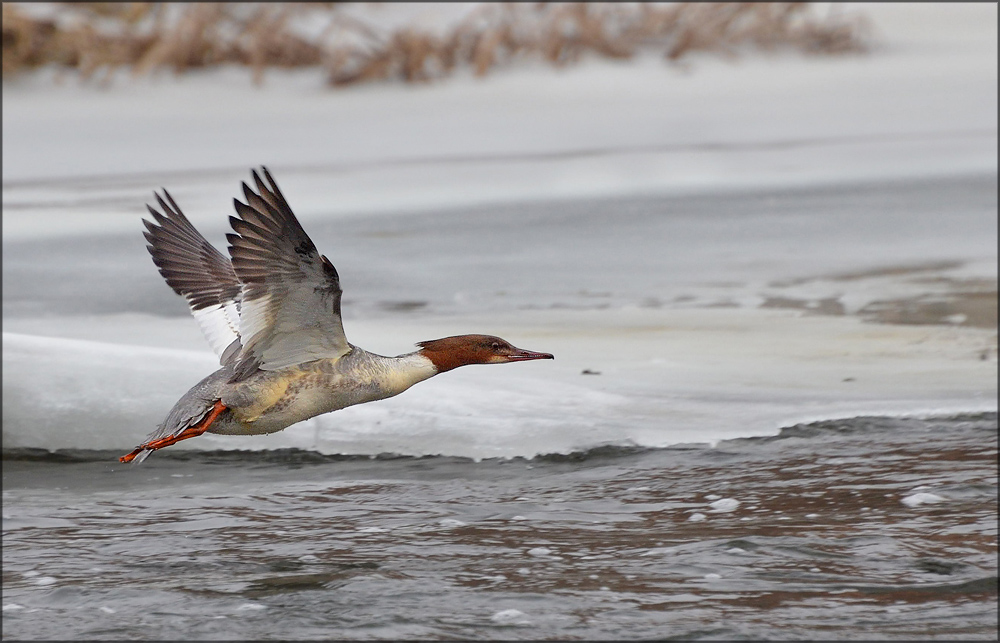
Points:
633	218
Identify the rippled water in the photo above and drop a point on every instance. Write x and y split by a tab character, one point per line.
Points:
862	528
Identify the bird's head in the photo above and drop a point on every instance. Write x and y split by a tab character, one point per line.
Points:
462	350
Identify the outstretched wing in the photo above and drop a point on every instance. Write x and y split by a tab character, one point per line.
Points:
199	273
291	294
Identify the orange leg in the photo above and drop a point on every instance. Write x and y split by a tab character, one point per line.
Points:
190	432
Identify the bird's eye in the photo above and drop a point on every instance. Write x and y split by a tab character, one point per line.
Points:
496	346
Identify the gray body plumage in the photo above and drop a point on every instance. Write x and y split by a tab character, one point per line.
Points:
269	401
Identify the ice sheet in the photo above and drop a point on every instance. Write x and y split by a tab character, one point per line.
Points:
657	377
546	206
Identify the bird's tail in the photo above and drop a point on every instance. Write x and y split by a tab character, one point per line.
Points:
191	416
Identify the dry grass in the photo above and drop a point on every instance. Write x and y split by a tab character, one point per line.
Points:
145	36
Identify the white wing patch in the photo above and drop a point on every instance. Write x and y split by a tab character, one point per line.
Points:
199	273
220	326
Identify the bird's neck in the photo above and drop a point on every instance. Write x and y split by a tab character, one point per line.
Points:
400	373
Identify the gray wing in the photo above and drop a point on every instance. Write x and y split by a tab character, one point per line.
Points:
199	273
290	310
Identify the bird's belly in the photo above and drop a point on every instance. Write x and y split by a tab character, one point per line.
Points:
300	405
300	398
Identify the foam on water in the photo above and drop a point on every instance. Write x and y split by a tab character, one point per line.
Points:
922	498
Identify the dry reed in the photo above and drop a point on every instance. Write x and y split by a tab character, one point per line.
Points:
149	36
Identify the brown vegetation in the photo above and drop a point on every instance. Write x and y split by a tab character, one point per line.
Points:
148	36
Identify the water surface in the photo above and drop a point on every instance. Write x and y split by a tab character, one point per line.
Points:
862	528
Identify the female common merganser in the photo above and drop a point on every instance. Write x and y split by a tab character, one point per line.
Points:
272	314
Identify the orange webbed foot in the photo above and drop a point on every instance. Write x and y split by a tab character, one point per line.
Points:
190	432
